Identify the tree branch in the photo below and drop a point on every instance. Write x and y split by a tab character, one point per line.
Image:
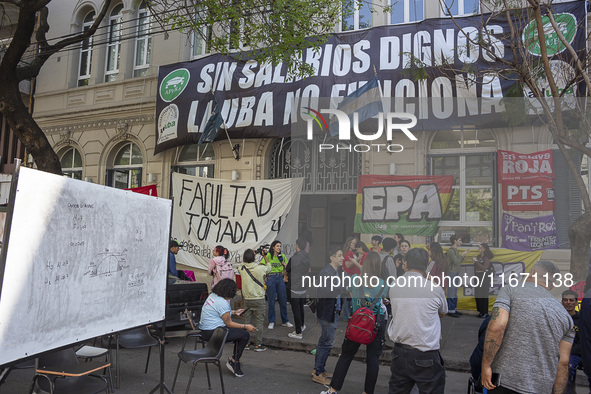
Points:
32	70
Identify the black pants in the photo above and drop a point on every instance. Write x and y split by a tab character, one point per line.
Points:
411	366
481	293
349	349
237	335
297	307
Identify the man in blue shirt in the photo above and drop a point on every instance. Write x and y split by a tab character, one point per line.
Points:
173	274
327	308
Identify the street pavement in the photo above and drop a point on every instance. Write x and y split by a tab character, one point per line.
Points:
286	366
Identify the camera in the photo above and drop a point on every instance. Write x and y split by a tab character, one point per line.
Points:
261	248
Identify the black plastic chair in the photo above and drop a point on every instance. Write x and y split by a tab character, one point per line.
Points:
88	353
134	339
60	373
212	353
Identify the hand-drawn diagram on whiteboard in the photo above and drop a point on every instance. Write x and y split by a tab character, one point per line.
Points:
107	264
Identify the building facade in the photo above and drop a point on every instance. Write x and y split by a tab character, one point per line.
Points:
96	103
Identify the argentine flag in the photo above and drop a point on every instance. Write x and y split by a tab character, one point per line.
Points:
366	101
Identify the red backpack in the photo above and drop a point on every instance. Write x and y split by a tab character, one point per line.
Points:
362	327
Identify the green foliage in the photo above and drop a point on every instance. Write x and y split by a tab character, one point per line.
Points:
268	31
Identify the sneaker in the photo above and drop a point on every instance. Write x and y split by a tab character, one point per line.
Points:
328	392
259	348
459	313
294	335
321	379
248	346
234	367
303	328
325	374
271	326
288	324
453	314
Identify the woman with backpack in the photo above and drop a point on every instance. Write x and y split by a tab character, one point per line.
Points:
369	297
220	266
276	285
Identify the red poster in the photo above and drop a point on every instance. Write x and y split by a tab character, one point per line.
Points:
514	166
528	195
149	190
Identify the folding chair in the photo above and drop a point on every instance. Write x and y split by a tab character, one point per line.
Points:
134	339
212	353
60	373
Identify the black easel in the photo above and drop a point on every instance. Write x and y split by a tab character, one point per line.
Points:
162	385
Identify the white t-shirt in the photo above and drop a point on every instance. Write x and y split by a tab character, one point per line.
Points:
415	312
212	311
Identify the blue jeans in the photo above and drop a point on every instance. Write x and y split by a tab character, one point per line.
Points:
452	293
276	290
325	343
574	363
346	312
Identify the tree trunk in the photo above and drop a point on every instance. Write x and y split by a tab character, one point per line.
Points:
26	129
579	234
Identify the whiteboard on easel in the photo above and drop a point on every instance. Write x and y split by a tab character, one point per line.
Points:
82	260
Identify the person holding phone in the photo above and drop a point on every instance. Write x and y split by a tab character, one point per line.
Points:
216	312
529	337
483	268
454	261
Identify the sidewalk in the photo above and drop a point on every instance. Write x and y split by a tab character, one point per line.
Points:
459	337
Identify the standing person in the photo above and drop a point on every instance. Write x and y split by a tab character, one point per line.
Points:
220	266
415	329
216	312
569	302
362	251
376	240
585	327
438	263
327	310
276	285
351	266
173	274
454	261
404	246
398	237
388	264
483	268
529	337
298	266
364	297
253	291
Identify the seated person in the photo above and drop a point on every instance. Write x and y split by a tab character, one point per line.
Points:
216	312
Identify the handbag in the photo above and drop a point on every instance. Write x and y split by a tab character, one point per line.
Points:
253	278
363	326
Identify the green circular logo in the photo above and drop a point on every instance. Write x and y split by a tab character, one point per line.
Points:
173	84
566	23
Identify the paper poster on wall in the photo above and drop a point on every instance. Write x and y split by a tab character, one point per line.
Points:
238	215
519	166
411	205
510	267
529	234
528	195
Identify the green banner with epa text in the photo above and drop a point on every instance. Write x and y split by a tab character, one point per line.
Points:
411	205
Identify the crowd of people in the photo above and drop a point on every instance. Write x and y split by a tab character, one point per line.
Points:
506	359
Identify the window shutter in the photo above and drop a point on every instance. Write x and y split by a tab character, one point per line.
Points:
567	205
